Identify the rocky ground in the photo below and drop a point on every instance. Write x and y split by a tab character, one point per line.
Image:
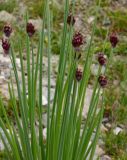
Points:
84	22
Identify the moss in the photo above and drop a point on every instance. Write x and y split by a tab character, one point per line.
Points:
35	8
117	149
8	6
118	19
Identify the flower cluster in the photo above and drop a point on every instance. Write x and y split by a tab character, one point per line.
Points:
77	39
5	40
102	61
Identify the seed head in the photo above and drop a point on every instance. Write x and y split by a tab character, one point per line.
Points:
78	74
71	19
5	46
101	59
102	81
7	30
30	29
77	40
113	40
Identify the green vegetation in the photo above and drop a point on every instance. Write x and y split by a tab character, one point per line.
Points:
8	6
116	145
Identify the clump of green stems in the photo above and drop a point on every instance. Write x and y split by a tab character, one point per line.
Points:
64	141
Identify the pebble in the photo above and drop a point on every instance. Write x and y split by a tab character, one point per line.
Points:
88	96
117	130
105	157
103	129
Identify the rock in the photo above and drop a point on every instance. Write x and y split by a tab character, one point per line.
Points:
99	151
87	102
44	133
108	125
4	60
117	130
6	17
91	19
105	157
44	120
2	80
105	120
94	69
52	82
44	100
22	8
103	129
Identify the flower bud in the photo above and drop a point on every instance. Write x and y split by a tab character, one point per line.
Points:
71	19
102	81
101	59
7	30
113	40
30	29
78	74
77	40
5	46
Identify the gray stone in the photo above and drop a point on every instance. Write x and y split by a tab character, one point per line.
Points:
44	120
95	68
91	19
87	102
103	129
44	133
117	130
99	151
105	157
6	17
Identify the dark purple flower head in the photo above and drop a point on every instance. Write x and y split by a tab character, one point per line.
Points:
101	59
102	81
5	46
30	29
71	19
77	40
78	74
7	30
113	39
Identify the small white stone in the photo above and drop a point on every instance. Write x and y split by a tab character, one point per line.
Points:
95	68
87	102
117	130
99	151
44	133
44	100
91	19
105	157
108	125
103	129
